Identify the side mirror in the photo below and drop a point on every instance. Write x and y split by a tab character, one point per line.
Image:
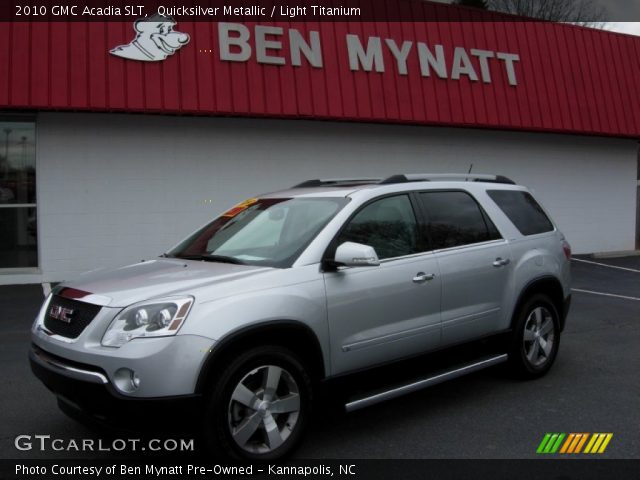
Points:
350	254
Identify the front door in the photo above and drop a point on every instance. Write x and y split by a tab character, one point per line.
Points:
384	313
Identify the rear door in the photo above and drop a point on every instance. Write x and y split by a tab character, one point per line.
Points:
474	263
383	313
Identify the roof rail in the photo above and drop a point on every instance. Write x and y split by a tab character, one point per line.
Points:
336	182
428	177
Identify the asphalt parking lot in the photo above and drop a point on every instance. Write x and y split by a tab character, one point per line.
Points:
593	387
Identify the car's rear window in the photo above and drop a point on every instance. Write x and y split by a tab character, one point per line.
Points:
523	211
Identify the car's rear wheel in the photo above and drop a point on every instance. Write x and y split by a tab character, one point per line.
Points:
536	337
259	406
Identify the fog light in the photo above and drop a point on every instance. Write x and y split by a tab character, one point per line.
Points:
126	380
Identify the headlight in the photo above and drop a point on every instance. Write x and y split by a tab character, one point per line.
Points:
152	318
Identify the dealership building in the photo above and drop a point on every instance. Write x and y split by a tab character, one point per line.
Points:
117	139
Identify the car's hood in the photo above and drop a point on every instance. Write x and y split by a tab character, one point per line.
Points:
120	287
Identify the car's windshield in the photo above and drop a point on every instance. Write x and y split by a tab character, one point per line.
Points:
271	232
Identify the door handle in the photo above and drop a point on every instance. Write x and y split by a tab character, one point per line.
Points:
501	262
422	277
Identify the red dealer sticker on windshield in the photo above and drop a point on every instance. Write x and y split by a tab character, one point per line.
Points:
241	207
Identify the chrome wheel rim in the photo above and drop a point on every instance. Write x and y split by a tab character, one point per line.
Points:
264	409
539	335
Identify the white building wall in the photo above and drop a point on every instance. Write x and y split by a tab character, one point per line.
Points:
113	189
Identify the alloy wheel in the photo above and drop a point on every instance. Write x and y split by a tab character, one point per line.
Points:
539	336
264	409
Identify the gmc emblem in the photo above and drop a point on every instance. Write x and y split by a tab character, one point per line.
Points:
61	313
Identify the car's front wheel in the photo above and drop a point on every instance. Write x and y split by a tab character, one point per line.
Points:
536	337
258	408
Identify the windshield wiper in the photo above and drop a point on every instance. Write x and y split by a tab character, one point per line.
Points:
221	258
210	258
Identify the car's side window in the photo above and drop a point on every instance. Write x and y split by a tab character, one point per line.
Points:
455	219
388	225
522	210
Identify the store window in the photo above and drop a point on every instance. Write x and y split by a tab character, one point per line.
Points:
18	224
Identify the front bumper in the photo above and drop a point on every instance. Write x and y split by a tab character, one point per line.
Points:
166	366
85	393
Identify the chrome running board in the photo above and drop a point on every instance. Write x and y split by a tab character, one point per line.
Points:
425	382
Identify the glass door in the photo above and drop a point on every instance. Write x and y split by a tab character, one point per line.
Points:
18	218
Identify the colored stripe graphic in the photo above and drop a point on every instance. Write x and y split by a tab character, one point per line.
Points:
567	443
556	445
603	447
581	443
543	443
550	443
591	442
598	443
573	443
576	439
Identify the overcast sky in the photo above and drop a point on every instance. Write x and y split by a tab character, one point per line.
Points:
625	27
616	10
622	9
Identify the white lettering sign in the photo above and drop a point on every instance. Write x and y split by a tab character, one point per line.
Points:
272	45
234	40
371	58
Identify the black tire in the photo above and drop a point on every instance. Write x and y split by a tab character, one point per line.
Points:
525	361
224	415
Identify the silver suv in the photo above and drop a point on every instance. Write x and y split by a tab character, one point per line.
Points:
245	320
